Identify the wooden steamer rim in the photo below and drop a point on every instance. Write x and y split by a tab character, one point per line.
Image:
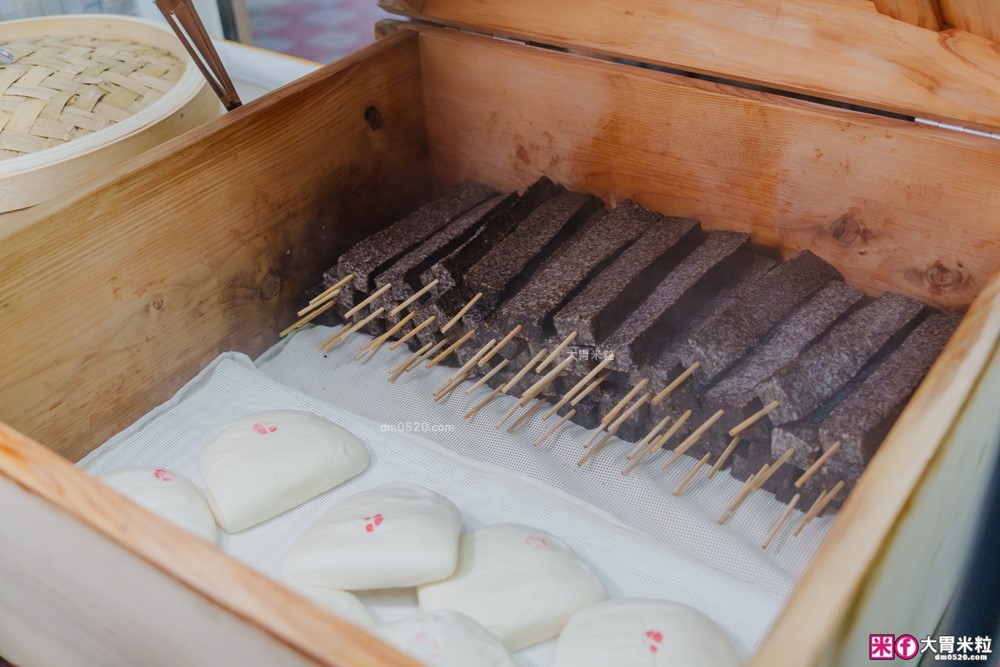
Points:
31	178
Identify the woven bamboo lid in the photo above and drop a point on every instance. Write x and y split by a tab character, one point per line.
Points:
56	89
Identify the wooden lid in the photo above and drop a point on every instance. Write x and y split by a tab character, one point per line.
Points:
842	50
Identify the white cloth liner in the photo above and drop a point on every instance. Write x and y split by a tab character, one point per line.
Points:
641	539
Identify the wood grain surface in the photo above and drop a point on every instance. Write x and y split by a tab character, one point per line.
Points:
111	303
894	205
836	49
923	13
980	17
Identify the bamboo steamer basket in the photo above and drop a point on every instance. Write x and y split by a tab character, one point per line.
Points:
45	160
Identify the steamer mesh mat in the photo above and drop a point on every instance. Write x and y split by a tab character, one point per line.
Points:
642	500
640	539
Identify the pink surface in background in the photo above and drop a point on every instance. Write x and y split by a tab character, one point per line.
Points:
318	30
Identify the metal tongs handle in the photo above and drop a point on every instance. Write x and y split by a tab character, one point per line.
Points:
184	19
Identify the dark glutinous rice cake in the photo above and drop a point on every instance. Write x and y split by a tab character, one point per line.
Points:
656	322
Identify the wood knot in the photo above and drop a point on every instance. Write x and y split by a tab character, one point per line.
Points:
270	286
937	278
157	302
373	117
848	229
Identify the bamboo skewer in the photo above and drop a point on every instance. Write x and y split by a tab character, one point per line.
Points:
344	334
437	346
460	314
307	319
657	443
725	455
596	449
590	388
413	332
692	439
579	385
748	487
396	371
640	385
615	425
780	461
666	391
486	378
503	343
555	427
814	468
482	404
452	387
527	415
330	291
781	520
545	381
467	366
818	506
374	345
334	294
556	352
524	371
754	418
371	297
416	295
454	346
594	436
691	475
507	415
641	445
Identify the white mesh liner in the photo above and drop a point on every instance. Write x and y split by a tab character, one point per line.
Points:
630	562
642	500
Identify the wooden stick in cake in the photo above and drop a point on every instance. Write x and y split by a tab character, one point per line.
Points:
524	371
371	297
613	428
590	388
537	388
692	439
507	415
748	487
451	348
375	344
346	333
556	352
412	332
596	449
402	367
754	418
555	427
579	385
725	455
307	319
467	366
527	415
503	343
330	292
486	378
781	520
429	353
691	475
450	389
814	468
639	386
312	306
666	391
416	295
460	314
818	506
780	461
641	445
657	443
482	404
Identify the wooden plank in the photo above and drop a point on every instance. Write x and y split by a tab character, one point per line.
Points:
203	245
894	205
980	17
839	50
922	13
910	515
138	590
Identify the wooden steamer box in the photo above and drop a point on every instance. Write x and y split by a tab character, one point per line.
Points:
110	302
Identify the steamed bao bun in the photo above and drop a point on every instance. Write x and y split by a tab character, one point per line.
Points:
261	465
392	536
643	633
168	494
446	639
